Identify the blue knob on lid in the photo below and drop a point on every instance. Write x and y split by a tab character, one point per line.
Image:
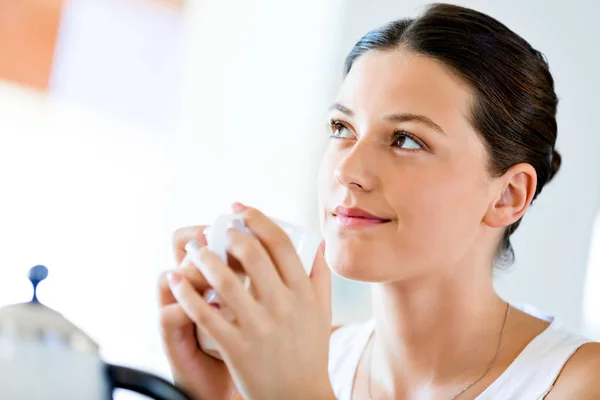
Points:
36	275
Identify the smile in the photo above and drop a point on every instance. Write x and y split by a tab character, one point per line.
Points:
357	222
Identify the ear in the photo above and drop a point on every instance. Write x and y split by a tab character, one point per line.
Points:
517	187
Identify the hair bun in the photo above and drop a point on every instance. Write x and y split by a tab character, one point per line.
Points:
556	161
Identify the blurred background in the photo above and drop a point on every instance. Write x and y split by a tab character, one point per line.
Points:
122	120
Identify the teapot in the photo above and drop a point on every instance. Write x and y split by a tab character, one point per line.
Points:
43	356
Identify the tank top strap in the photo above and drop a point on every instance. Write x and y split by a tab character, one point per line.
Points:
346	346
533	373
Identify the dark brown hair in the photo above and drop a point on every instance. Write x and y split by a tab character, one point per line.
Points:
514	109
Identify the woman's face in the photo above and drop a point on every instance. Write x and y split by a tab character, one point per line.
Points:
405	152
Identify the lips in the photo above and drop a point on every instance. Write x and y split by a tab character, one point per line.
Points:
355	217
357	213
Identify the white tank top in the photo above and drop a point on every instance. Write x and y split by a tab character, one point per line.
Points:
530	376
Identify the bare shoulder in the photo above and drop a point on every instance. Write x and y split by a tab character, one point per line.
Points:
580	377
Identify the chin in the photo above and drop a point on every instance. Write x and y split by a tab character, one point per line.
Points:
350	264
367	264
347	271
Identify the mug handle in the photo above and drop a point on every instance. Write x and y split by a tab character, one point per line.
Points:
144	383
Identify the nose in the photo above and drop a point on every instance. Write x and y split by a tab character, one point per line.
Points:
355	170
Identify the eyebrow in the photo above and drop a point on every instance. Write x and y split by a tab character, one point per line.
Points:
403	117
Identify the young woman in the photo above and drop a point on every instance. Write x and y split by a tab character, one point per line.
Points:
442	135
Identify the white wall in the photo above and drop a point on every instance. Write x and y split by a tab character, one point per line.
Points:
254	98
552	243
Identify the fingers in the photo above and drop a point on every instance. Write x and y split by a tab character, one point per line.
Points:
165	297
183	235
172	319
178	334
199	311
180	238
190	272
226	283
257	264
279	247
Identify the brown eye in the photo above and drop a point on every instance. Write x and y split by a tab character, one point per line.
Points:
339	130
406	142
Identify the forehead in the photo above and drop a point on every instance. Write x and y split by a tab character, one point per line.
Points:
385	82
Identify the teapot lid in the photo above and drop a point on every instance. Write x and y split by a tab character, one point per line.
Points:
35	322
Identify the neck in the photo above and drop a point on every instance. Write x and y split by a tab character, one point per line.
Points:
435	330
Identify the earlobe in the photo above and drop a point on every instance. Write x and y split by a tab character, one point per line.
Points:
518	186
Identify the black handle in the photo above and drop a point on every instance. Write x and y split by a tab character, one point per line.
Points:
144	383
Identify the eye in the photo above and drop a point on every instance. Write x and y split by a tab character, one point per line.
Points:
405	141
339	130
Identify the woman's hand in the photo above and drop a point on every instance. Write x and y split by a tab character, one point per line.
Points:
278	346
202	376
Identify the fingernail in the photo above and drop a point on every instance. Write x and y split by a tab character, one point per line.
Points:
211	296
238	207
212	299
245	280
192	247
174	278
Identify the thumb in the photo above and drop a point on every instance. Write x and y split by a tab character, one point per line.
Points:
320	278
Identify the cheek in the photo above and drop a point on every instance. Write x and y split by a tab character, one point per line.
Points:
439	208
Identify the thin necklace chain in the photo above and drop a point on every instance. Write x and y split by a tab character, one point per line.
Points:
489	367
